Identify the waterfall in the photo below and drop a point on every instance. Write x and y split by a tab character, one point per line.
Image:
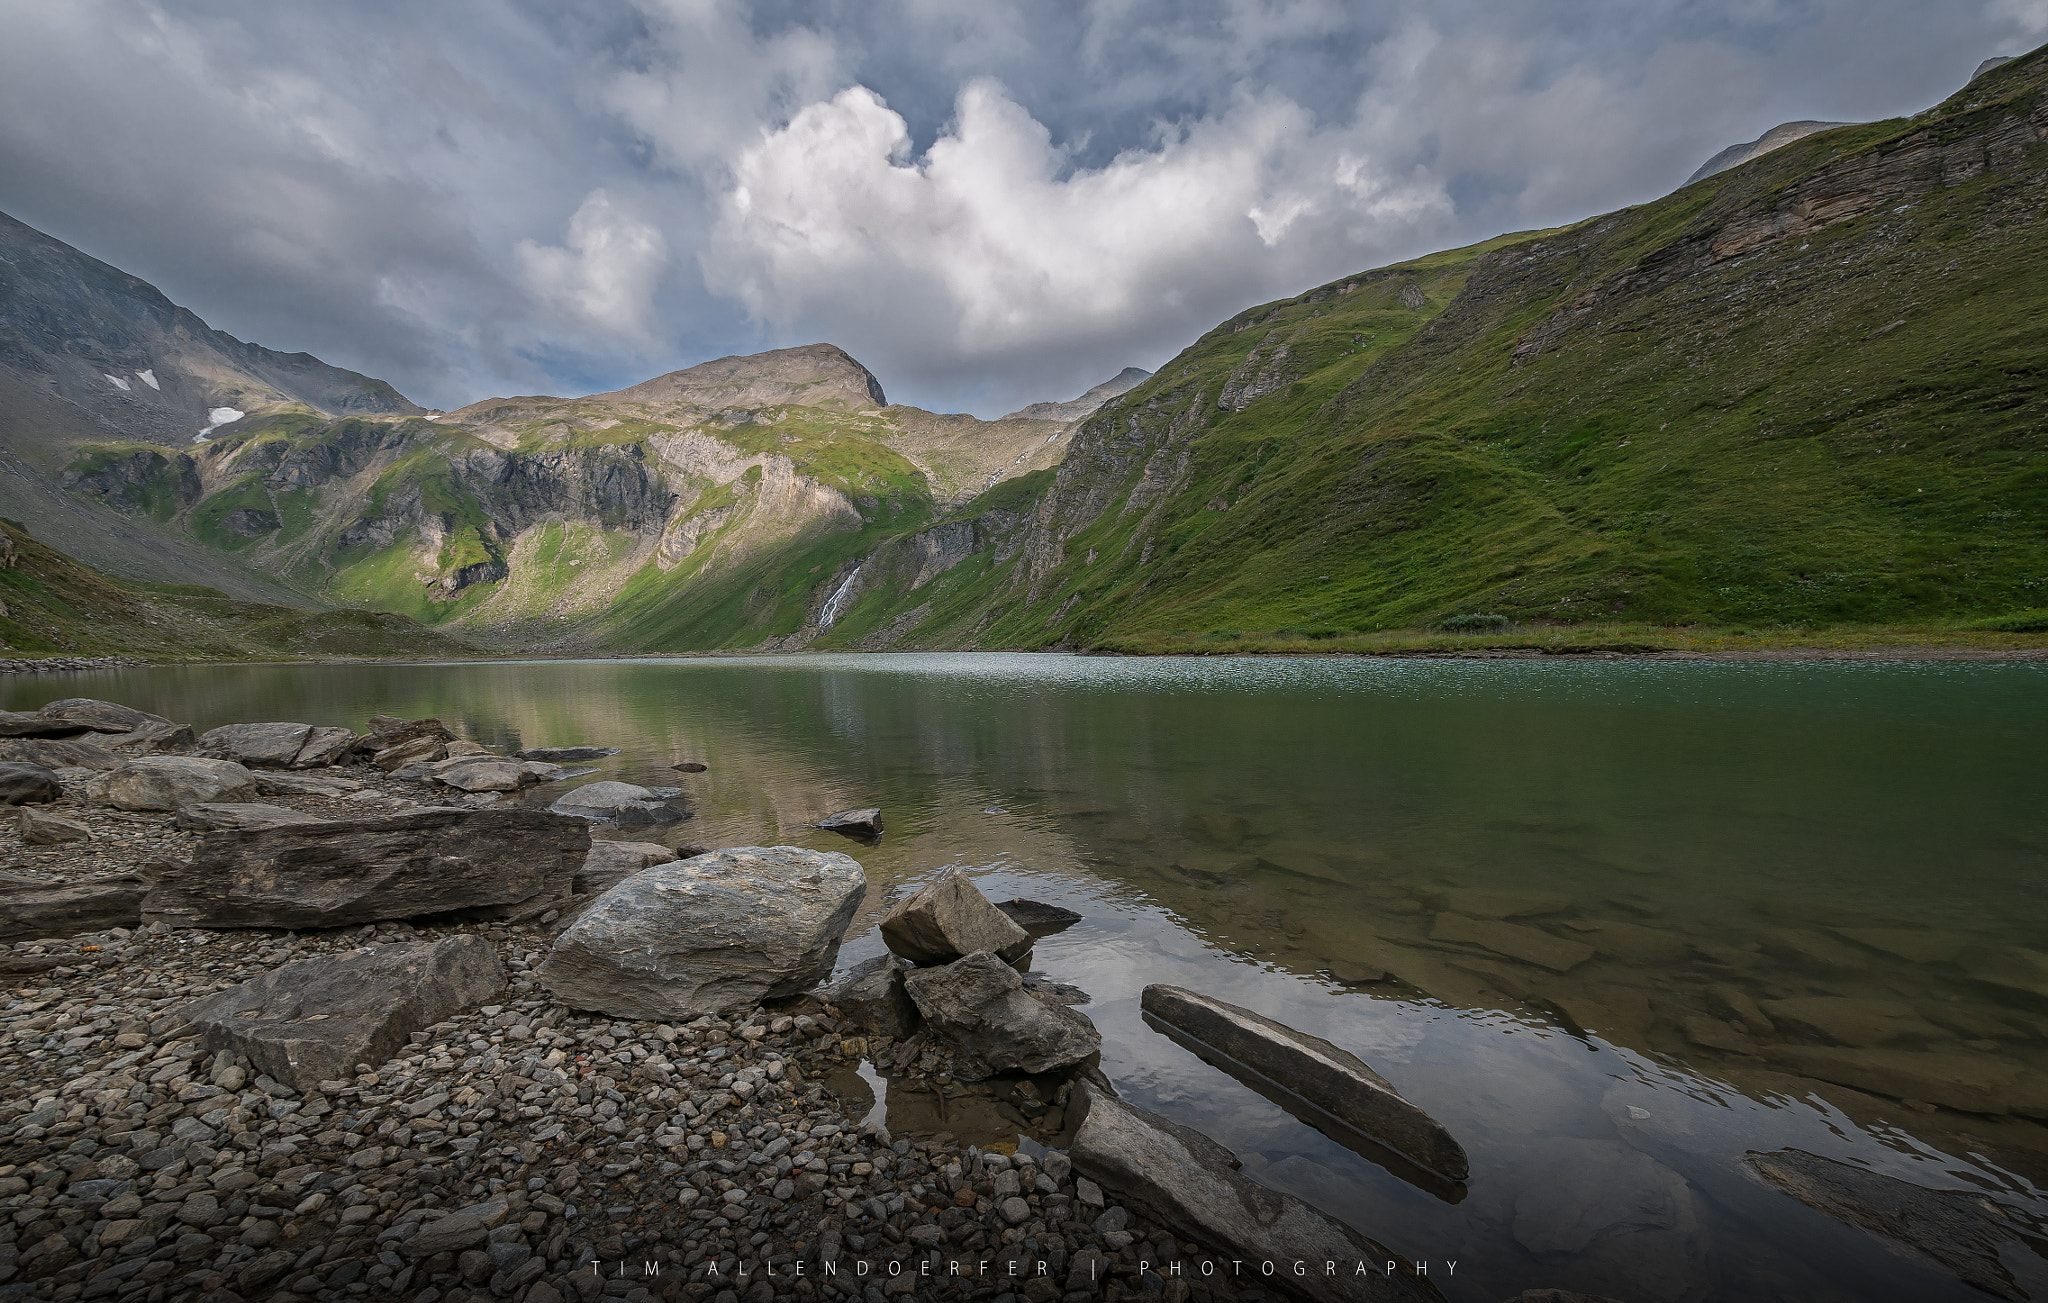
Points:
837	602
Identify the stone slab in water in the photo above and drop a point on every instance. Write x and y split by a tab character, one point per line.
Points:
314	1020
1181	1179
615	802
1038	918
556	755
1327	1076
853	823
351	871
717	932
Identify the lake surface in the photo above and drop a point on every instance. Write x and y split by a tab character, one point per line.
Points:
1620	926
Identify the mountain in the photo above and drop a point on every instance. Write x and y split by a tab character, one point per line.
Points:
1075	408
1782	134
88	353
1805	390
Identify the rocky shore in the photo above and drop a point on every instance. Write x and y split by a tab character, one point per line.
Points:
296	1013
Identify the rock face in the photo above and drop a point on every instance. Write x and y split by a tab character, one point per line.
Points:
270	746
170	782
1182	1179
40	829
721	931
316	1019
978	1006
26	784
853	823
28	912
622	803
1334	1080
873	998
351	871
950	918
609	863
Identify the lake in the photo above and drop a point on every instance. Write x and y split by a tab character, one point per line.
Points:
1621	926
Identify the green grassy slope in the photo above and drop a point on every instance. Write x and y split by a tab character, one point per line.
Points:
1809	391
55	606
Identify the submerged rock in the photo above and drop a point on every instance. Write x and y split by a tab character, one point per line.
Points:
978	1008
1332	1079
26	784
350	871
1959	1229
690	766
721	931
1178	1177
1515	941
555	755
171	782
853	823
949	918
872	997
314	1020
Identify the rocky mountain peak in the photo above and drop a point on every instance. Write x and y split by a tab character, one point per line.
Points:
1075	408
813	375
1776	138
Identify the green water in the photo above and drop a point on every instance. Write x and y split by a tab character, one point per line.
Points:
1617	925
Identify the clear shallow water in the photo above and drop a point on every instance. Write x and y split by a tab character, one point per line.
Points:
1639	921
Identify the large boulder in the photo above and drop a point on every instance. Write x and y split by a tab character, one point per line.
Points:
717	932
623	803
612	862
871	996
864	824
483	863
100	716
171	782
31	910
1265	1053
977	1007
1180	1179
314	1020
31	723
26	784
60	753
267	746
948	918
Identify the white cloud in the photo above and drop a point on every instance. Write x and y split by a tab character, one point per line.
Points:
608	273
989	242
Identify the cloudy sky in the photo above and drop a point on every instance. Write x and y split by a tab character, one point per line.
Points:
987	202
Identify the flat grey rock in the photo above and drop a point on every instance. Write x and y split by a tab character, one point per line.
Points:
67	910
1181	1179
170	782
1332	1079
721	931
611	862
485	774
557	755
978	1008
212	816
872	997
615	802
62	753
949	918
350	871
314	1020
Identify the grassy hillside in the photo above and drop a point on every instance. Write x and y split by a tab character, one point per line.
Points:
54	605
1807	392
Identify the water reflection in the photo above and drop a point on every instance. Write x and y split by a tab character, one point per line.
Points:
1620	927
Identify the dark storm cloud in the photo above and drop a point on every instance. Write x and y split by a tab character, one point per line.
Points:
987	204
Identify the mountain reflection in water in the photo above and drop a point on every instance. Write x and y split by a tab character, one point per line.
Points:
1722	974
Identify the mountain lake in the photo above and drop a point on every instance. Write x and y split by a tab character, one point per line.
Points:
1629	929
